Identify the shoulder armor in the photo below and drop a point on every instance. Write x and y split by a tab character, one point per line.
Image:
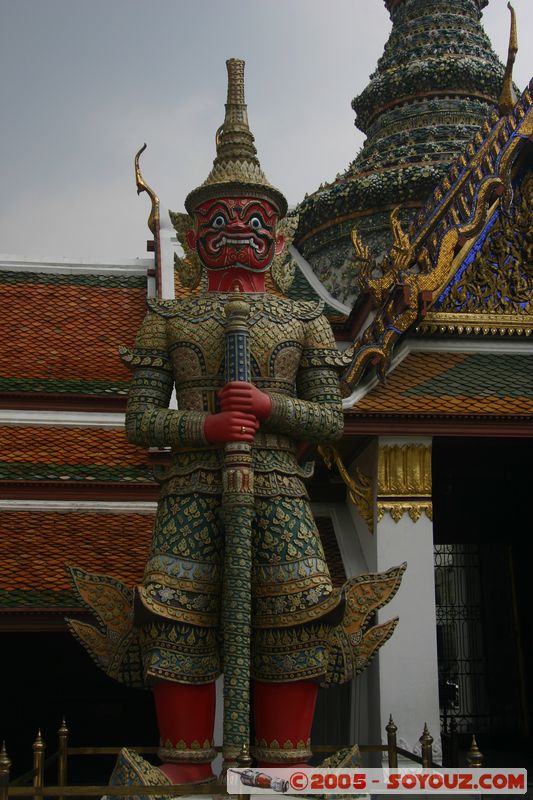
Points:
281	309
138	357
202	306
163	308
308	309
194	309
324	357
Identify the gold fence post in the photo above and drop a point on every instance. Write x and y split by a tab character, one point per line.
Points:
244	760
5	766
474	757
391	743
38	763
426	740
62	755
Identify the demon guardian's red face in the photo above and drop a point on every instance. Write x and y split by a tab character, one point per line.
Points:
236	232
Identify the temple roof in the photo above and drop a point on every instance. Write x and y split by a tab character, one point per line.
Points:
60	333
464	265
56	453
62	324
39	545
436	83
455	384
491	291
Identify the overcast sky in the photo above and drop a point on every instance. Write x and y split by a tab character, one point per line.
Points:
86	82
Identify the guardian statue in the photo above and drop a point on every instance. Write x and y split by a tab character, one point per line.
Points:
236	580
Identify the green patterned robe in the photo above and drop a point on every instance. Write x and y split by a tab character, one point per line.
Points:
181	345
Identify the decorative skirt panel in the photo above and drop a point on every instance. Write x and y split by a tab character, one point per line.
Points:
178	604
169	627
173	651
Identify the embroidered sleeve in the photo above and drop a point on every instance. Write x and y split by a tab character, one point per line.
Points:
149	421
316	413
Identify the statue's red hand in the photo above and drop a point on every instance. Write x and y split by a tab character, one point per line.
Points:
230	426
242	396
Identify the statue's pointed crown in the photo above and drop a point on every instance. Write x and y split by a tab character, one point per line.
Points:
236	169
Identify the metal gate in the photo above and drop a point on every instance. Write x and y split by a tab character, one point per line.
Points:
460	645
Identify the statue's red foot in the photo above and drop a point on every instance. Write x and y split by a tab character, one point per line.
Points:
186	716
282	765
283	719
188	773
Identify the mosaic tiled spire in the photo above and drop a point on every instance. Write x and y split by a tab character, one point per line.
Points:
435	84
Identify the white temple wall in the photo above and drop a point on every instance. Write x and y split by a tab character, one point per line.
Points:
408	670
403	679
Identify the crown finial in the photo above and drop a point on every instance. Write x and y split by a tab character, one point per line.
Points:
234	138
236	169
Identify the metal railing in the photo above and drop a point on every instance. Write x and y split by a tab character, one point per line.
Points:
32	783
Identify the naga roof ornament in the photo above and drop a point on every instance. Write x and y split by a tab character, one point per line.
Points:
508	98
236	169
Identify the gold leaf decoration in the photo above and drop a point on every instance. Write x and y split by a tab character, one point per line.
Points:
500	278
283	266
189	268
360	487
404	481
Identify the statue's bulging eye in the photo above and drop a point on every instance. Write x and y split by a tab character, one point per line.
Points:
256	222
219	221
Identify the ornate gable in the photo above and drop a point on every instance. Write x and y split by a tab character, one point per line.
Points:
492	291
470	242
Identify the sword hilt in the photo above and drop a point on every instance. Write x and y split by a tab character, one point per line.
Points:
237	364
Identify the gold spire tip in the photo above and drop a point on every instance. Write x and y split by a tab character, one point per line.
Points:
508	98
236	169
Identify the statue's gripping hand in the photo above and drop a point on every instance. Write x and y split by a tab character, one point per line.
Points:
243	406
245	397
230	426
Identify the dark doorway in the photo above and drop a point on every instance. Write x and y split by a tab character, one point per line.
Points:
47	675
483	549
331	725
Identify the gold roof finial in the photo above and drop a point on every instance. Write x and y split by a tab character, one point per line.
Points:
508	98
142	186
401	250
236	168
362	253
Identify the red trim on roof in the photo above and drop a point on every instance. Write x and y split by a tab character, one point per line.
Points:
42	401
385	425
48	620
77	490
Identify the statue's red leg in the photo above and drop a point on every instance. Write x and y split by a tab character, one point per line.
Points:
283	715
186	718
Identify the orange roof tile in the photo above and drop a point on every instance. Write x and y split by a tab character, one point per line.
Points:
36	546
489	384
57	445
51	453
67	331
